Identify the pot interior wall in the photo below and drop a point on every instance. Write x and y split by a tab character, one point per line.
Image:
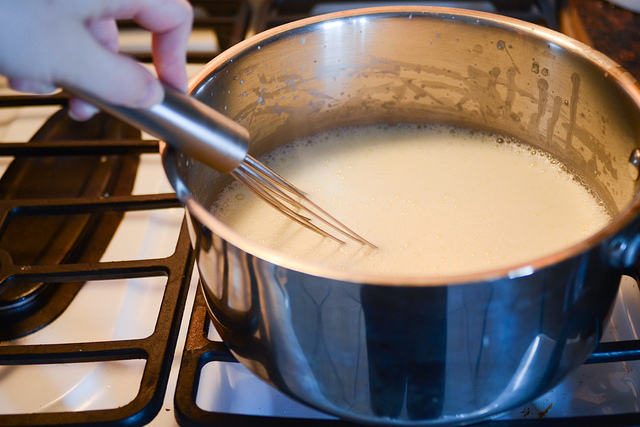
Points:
428	67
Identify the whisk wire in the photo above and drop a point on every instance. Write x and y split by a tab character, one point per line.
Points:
267	194
291	201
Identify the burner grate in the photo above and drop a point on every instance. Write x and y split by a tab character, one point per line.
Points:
156	350
33	236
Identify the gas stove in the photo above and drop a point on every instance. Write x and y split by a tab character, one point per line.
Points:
101	320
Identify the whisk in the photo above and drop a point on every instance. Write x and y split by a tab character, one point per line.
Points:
219	142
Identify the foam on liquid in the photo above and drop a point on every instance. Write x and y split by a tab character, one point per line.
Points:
436	200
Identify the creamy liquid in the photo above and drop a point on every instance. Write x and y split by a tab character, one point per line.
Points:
436	200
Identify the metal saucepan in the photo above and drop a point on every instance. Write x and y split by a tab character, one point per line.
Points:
415	350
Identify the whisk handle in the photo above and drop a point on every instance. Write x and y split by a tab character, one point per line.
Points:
186	124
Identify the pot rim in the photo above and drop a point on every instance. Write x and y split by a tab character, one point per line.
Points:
610	69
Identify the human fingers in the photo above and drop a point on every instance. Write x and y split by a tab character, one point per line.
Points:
87	65
71	43
170	24
105	32
123	81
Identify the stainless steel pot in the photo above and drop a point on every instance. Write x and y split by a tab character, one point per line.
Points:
417	350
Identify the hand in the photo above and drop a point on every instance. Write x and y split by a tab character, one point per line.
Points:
49	43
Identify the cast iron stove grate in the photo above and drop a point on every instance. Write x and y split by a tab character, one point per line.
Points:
71	218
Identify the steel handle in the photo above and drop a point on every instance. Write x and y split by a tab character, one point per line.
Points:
186	124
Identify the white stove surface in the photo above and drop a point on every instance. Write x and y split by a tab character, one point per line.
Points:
124	309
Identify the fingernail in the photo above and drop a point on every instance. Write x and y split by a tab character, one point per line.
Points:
77	118
81	111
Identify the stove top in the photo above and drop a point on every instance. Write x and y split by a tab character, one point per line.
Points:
133	344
